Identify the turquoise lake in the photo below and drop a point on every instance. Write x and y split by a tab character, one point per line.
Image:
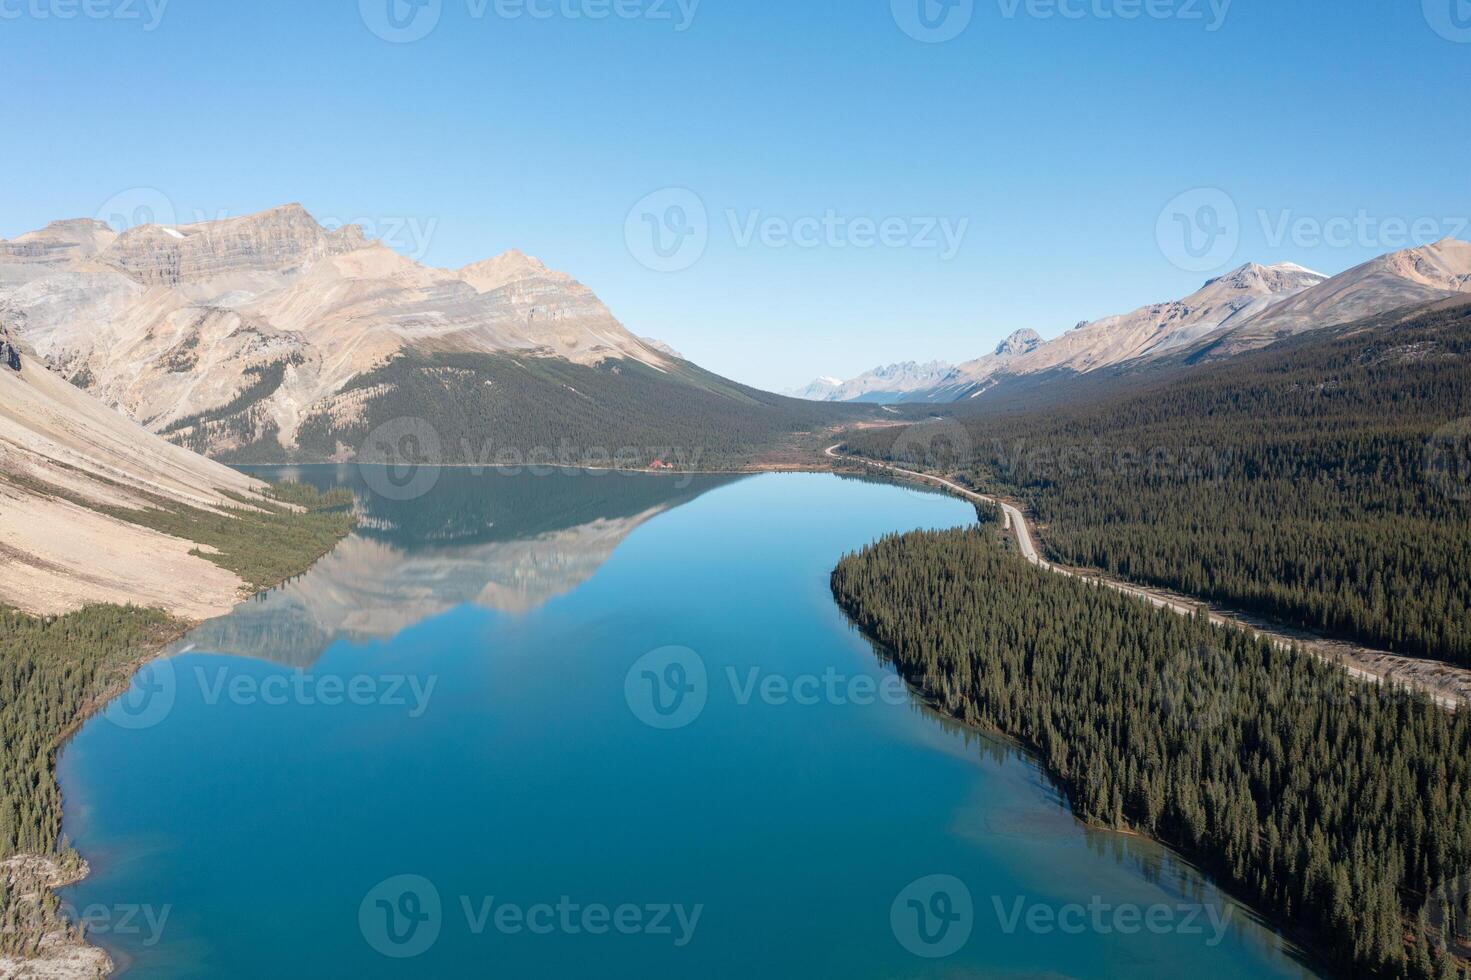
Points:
581	725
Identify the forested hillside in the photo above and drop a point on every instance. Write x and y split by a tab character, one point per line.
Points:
1323	482
1339	808
479	405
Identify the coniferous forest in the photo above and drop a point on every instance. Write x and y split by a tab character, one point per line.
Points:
1324	482
1341	809
56	670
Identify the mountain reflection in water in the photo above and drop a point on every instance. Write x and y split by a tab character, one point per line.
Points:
493	539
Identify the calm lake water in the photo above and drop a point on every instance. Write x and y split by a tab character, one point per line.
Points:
602	726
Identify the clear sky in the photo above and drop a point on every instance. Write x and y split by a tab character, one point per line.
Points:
816	150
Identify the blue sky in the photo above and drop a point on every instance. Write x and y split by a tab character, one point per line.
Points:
818	149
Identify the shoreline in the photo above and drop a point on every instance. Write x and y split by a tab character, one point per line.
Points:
67	955
1295	945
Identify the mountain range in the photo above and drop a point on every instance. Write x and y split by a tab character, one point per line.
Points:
269	338
1243	310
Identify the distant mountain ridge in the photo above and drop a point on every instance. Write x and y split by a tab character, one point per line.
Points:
1247	308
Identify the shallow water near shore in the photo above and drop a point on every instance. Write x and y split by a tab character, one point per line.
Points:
597	725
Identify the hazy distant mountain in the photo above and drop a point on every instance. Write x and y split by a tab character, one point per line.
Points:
63	454
819	390
246	336
662	347
884	384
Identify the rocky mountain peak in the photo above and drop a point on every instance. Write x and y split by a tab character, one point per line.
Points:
1281	278
59	242
1444	265
504	269
284	239
1020	342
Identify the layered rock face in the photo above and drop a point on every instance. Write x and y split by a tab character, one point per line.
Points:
284	240
234	332
58	243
